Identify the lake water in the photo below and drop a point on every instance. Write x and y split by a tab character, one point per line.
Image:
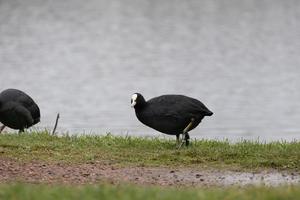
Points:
84	59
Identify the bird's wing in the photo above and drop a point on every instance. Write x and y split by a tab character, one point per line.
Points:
166	112
178	106
35	111
197	107
24	113
16	113
29	104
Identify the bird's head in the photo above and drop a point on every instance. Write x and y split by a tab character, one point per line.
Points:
137	100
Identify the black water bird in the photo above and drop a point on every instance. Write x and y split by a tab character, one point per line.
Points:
18	110
170	114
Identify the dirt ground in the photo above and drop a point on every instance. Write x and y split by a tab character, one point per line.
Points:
39	172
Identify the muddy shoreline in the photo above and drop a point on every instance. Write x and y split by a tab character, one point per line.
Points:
97	172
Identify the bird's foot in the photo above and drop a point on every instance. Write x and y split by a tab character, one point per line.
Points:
182	140
185	135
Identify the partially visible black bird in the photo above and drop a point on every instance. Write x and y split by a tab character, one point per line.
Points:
170	114
18	110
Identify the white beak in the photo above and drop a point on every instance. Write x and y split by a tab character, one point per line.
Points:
133	104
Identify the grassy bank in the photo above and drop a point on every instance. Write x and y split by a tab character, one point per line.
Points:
150	152
32	192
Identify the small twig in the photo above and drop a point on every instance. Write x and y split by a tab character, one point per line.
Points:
56	122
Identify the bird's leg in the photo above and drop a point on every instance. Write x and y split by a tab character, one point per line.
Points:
185	135
177	140
2	127
21	131
187	139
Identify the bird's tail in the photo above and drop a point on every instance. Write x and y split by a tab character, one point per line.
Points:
209	113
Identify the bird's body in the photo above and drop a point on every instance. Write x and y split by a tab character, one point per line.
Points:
18	110
170	114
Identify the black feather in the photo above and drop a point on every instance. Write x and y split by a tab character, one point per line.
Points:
170	114
18	110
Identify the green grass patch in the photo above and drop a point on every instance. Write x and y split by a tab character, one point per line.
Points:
128	192
139	151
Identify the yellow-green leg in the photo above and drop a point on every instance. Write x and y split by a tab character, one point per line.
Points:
185	135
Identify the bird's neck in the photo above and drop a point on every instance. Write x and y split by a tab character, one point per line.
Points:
140	106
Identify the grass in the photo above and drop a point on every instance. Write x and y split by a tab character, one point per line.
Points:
138	151
129	192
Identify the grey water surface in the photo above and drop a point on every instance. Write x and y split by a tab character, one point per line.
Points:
84	59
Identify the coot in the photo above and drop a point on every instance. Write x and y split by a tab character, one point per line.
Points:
170	114
18	110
